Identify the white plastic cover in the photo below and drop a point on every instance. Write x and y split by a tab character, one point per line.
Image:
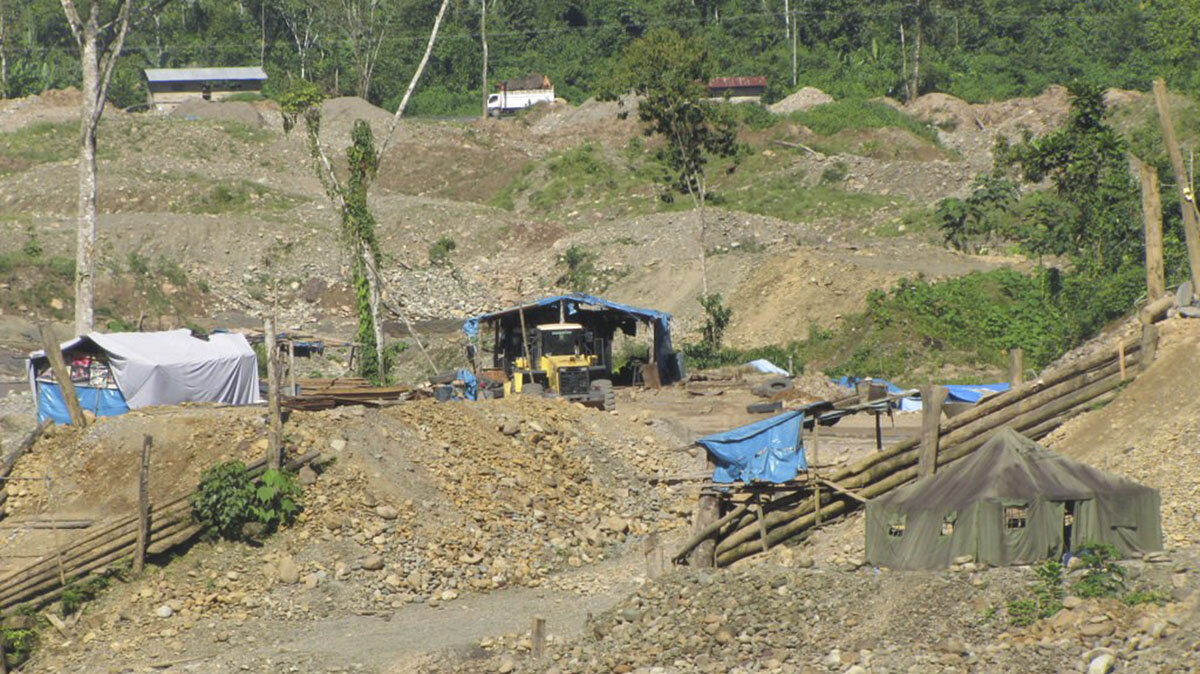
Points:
172	367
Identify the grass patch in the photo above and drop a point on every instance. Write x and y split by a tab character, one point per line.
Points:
244	97
236	196
41	143
857	113
782	196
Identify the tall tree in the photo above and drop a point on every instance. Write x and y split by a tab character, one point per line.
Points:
669	72
100	42
302	20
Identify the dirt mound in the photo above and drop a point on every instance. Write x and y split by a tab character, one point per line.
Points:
237	111
339	114
590	113
1150	433
61	98
804	99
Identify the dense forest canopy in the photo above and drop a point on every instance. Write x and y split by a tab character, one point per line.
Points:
975	49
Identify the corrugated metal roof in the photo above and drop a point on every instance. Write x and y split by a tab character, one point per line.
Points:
737	82
204	74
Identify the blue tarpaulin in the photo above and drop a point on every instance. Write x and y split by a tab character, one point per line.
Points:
103	402
470	384
973	392
765	451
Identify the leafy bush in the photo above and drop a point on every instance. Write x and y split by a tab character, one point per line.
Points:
581	268
229	498
835	173
78	593
1046	600
716	318
1102	577
1147	596
701	356
439	251
18	645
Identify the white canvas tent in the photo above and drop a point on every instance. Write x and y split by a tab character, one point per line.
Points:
158	368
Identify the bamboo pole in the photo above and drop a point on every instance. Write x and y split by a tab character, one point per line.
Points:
274	427
711	529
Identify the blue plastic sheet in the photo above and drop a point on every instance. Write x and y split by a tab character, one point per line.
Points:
470	384
102	402
767	367
764	451
973	392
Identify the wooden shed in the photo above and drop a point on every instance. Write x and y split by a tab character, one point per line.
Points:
739	89
171	86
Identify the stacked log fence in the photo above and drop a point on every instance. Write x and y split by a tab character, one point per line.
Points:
170	523
1034	408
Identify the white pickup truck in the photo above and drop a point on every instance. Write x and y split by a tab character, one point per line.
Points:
508	102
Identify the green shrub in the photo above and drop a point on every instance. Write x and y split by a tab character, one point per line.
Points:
78	593
439	251
228	498
1046	600
18	645
835	173
1147	596
716	318
1102	577
581	268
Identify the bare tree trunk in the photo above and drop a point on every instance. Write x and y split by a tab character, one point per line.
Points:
483	38
915	87
903	59
3	55
412	84
85	233
97	62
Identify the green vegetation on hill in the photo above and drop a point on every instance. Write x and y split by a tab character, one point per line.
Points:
984	50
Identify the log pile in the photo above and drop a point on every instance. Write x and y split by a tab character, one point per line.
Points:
170	524
1034	409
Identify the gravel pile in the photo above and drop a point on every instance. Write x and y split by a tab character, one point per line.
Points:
804	99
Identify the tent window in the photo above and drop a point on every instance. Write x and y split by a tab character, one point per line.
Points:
896	530
1015	517
948	524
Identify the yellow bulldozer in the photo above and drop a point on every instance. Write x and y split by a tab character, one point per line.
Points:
557	363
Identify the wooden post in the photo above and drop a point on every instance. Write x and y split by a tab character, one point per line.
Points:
143	527
706	513
274	451
1016	366
524	338
1121	357
1191	227
932	398
812	467
1149	344
54	353
292	366
762	521
538	638
1156	285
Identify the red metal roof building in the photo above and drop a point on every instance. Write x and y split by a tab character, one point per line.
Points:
737	87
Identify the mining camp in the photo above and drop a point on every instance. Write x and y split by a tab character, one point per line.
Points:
566	338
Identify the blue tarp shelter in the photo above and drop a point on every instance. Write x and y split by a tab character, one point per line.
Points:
591	311
764	451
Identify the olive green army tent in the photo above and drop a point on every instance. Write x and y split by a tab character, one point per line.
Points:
1010	502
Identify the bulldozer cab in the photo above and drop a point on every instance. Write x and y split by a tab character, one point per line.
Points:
560	339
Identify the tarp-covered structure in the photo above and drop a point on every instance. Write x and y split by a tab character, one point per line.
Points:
764	451
115	372
601	317
1010	502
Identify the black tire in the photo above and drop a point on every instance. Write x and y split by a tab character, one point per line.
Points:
764	408
533	390
610	397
